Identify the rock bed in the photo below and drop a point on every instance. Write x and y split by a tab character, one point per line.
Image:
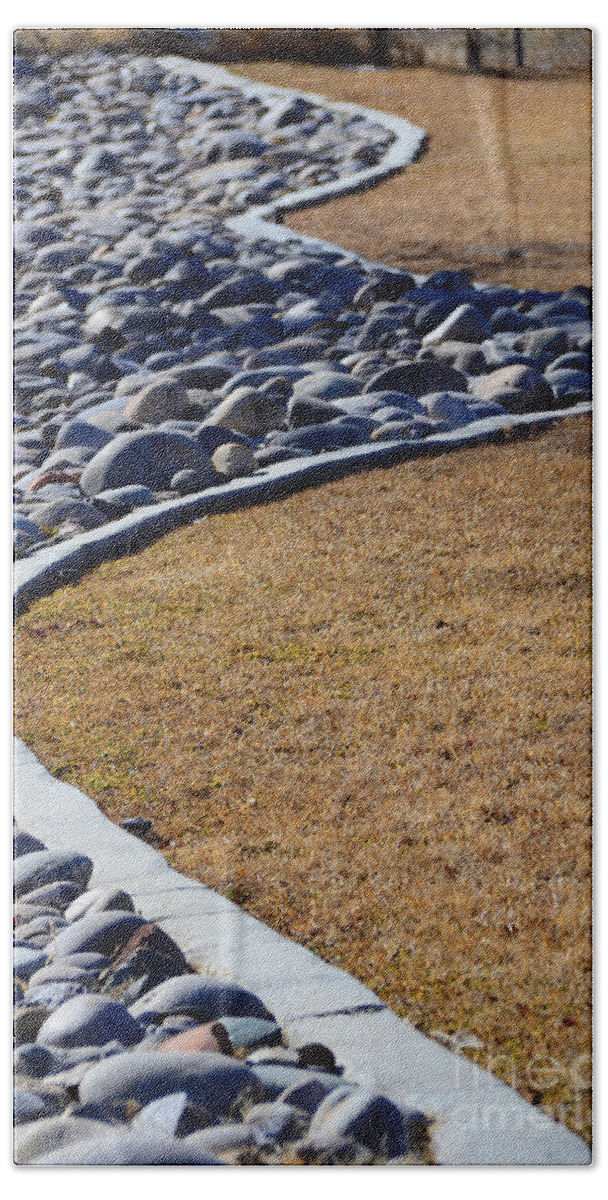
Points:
157	353
125	1055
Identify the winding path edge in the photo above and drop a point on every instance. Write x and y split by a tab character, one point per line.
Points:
478	1119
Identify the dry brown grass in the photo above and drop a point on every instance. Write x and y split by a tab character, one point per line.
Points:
363	713
504	188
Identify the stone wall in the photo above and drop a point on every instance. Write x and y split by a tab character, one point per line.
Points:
529	53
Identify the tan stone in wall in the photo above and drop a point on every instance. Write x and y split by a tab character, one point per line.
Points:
546	53
556	51
446	49
405	47
496	50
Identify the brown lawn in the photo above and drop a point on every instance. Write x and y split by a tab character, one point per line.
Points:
503	190
363	713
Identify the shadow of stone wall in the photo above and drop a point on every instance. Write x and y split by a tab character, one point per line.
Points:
529	53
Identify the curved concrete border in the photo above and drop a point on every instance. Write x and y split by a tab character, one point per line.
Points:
57	565
263	220
479	1120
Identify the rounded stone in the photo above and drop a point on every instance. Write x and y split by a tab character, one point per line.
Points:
189	482
367	1117
26	843
150	458
129	1149
43	866
58	895
327	385
101	899
418	379
27	960
46	1135
30	1106
447	406
204	998
519	388
248	411
90	1021
158	402
35	1061
81	433
212	1081
233	460
101	932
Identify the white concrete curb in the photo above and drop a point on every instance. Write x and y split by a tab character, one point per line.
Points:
54	566
262	221
479	1120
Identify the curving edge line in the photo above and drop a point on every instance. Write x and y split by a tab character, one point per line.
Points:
478	1119
264	220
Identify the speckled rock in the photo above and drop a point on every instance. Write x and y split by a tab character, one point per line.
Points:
202	997
40	867
232	461
41	1137
90	1021
209	1080
149	458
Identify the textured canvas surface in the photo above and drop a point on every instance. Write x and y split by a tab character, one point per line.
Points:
302	422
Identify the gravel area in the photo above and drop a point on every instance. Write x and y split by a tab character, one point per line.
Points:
158	354
125	1055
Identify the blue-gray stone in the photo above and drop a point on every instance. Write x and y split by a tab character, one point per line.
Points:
58	895
27	960
485	408
101	899
447	406
48	1134
53	994
91	1021
226	1139
27	531
247	1032
36	1061
209	437
569	386
262	375
129	1149
543	345
211	1081
103	932
368	1118
308	410
204	998
575	361
277	1079
116	502
40	867
327	385
25	843
331	435
418	379
171	1116
278	1122
149	458
306	1095
69	970
464	324
54	513
30	1106
193	480
80	433
43	925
